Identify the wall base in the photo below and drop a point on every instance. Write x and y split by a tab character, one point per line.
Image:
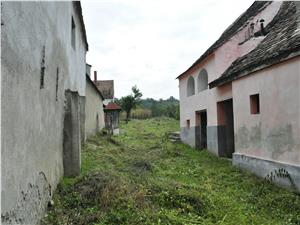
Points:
262	168
187	136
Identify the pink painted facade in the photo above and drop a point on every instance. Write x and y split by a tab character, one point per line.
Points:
220	60
274	133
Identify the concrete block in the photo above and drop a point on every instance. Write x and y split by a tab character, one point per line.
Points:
82	118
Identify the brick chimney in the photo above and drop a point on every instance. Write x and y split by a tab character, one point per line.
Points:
95	76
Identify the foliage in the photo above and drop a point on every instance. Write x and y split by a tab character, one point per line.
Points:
129	102
138	113
140	177
168	107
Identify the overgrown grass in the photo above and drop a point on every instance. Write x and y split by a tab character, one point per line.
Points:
140	177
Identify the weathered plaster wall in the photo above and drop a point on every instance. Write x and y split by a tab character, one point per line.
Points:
204	100
36	46
93	109
274	133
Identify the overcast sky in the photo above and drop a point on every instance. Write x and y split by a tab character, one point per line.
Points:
149	43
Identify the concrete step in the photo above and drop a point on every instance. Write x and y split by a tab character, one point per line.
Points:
175	136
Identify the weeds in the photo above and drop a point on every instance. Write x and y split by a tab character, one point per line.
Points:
140	177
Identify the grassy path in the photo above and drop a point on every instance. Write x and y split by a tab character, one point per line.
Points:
140	177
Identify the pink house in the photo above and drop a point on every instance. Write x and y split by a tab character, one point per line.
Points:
241	98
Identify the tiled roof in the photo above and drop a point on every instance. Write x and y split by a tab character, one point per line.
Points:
94	86
112	106
237	25
106	87
281	42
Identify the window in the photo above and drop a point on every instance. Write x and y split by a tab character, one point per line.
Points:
73	33
188	124
190	86
202	80
254	104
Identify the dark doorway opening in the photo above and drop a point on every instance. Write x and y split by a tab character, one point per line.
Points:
225	128
200	131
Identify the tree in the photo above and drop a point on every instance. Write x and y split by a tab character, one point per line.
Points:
130	102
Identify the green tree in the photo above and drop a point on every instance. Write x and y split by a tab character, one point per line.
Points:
130	102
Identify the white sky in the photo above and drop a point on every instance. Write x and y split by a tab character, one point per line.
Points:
150	42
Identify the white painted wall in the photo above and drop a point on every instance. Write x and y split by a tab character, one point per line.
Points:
32	118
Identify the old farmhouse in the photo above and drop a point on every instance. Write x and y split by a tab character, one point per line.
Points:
43	72
241	98
106	87
111	109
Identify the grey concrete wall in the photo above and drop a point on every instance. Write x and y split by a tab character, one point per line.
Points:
262	168
93	110
82	118
72	136
215	139
187	136
36	46
198	137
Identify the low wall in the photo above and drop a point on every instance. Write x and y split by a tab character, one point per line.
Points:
262	168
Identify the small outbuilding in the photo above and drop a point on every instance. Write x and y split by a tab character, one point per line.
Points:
112	117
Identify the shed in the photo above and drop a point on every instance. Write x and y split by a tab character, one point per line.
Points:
112	117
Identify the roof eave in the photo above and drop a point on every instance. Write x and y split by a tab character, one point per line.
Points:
231	77
79	11
94	86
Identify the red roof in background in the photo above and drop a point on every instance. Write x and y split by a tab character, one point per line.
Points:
112	106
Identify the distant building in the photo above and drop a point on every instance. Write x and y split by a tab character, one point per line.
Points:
106	87
241	98
94	114
111	109
43	49
112	117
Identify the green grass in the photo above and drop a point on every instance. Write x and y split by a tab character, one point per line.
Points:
140	177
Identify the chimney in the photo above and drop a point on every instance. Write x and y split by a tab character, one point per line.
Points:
95	76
